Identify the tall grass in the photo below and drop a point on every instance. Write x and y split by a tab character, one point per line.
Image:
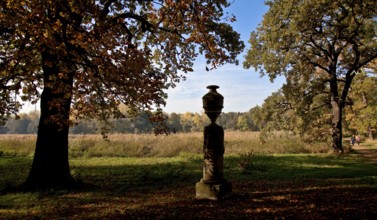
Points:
149	145
17	145
277	143
134	145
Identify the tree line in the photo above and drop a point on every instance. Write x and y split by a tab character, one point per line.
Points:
288	109
283	110
27	123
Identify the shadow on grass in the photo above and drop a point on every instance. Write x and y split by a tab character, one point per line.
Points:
297	186
271	200
304	166
139	177
115	174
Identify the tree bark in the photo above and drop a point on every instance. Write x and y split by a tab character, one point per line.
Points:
337	135
337	109
50	168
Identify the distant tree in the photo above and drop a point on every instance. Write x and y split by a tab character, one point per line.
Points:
229	120
253	124
242	123
272	115
84	127
174	122
124	125
186	121
3	130
25	123
199	122
316	44
19	125
205	120
142	123
34	119
255	114
87	57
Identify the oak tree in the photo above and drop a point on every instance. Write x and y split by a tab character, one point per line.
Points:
319	46
83	58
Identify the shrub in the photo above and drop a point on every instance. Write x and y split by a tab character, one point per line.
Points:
246	163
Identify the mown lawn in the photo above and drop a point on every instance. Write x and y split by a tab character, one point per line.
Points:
305	186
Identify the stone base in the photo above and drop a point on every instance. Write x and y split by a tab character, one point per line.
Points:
213	191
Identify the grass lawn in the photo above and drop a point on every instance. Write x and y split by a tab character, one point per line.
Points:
304	186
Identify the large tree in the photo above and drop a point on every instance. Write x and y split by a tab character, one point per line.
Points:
88	56
314	43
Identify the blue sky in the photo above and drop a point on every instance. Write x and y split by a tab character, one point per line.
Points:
242	88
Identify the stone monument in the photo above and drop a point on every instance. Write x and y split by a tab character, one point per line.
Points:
213	185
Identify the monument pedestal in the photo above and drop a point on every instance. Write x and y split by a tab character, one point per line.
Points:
213	185
213	191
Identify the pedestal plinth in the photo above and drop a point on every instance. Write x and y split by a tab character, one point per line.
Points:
213	191
213	186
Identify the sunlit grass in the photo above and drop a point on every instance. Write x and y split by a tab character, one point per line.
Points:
150	145
17	145
117	186
120	178
372	144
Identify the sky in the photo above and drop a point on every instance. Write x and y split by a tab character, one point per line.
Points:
242	88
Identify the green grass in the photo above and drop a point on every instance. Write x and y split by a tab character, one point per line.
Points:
126	172
127	184
307	166
123	173
146	186
13	171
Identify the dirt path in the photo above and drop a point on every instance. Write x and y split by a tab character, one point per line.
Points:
364	150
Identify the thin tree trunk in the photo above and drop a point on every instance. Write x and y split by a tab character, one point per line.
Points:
50	166
370	133
337	127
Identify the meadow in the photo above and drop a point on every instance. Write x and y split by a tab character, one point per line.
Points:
150	145
153	177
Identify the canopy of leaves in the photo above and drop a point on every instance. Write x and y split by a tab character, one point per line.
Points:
119	51
295	33
362	115
319	46
313	42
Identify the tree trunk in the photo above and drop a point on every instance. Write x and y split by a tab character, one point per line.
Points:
337	127
50	168
370	133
